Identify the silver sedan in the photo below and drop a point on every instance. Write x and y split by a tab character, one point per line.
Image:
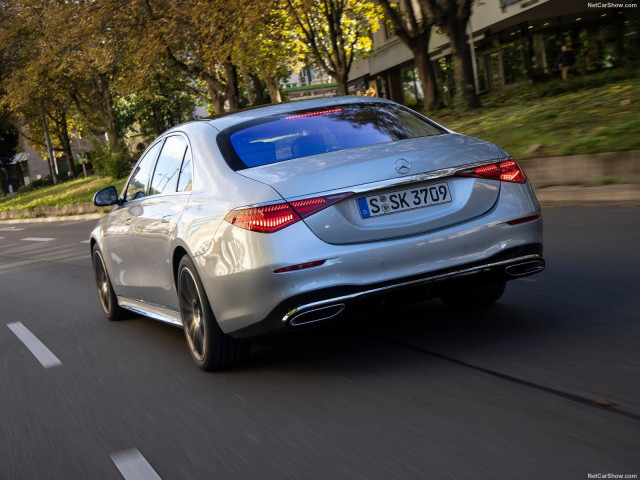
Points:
295	214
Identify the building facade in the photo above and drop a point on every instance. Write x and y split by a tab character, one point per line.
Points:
514	41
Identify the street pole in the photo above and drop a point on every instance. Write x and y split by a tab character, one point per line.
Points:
53	168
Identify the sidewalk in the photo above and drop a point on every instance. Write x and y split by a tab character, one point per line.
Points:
580	195
553	179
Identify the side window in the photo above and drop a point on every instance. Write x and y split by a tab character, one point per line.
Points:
137	186
186	175
165	177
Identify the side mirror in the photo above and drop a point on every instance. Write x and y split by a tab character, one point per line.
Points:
105	197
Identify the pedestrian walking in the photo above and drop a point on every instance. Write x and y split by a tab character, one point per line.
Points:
565	61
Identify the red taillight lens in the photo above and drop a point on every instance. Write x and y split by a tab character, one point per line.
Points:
508	171
309	206
268	219
271	218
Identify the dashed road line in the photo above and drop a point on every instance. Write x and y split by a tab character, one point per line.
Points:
133	466
35	346
38	239
85	241
1	238
10	229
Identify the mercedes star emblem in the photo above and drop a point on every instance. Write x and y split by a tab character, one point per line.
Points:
402	166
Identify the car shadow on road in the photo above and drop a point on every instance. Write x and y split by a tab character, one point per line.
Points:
371	340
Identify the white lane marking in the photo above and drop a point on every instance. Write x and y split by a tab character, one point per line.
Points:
240	398
39	350
133	466
1	238
85	241
10	229
38	239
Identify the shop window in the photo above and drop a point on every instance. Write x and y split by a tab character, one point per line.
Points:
446	77
513	62
411	87
388	29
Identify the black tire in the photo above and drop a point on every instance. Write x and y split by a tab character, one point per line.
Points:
209	347
479	296
107	296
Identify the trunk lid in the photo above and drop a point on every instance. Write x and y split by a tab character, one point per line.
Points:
369	170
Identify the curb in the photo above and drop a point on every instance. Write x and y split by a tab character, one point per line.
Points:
86	208
580	195
59	218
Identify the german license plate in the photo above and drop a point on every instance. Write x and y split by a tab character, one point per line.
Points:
401	200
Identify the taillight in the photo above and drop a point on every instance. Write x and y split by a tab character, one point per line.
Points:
271	218
268	219
508	171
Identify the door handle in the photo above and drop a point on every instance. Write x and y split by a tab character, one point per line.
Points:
127	221
166	219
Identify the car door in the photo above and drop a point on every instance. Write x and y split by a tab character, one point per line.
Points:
119	250
155	225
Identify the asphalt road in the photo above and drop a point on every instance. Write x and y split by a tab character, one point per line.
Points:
508	392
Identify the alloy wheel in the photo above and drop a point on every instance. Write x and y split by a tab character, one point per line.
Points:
102	281
192	311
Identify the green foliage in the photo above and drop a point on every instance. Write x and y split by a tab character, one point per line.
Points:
36	184
164	105
108	163
336	32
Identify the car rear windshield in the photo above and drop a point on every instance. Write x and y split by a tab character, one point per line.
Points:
283	137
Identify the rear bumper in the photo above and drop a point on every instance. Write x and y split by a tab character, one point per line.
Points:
326	304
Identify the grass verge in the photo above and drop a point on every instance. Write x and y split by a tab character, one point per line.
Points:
67	193
566	118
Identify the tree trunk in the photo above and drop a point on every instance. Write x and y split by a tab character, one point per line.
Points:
273	87
258	86
426	71
231	90
341	78
249	86
63	138
3	193
109	115
466	96
218	104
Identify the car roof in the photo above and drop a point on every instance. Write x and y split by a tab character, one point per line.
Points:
228	120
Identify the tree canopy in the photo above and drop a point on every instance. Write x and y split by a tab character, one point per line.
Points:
114	67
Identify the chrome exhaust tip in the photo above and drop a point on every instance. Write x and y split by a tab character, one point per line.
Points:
297	319
525	268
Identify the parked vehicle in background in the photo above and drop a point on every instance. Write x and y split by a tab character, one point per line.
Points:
290	215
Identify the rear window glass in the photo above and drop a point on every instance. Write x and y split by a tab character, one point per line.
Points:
293	135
